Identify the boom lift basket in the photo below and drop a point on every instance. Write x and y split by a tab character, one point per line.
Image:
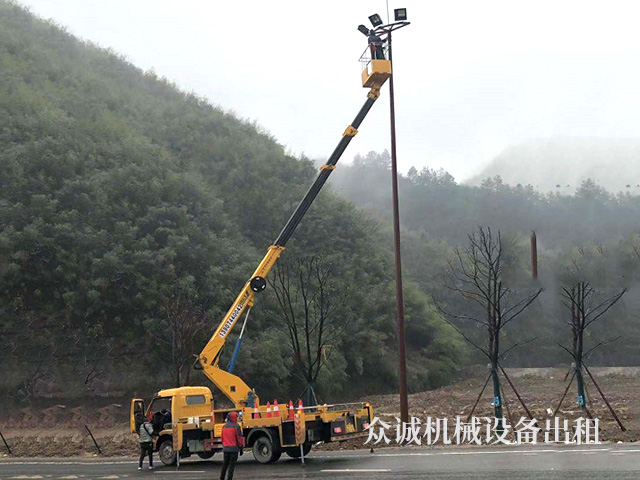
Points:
374	72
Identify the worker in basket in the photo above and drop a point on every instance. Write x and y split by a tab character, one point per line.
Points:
375	44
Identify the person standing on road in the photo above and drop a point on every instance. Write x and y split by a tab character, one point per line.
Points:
232	443
146	442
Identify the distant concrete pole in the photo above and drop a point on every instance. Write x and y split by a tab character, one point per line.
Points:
402	362
534	255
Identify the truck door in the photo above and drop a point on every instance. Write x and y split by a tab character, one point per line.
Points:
136	414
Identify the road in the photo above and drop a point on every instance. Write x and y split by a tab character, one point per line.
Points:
544	462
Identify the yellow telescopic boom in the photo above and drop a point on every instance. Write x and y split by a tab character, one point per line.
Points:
231	385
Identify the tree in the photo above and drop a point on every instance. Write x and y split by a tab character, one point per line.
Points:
476	274
587	305
181	321
314	314
430	177
373	160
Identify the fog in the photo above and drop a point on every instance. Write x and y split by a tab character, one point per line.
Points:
561	165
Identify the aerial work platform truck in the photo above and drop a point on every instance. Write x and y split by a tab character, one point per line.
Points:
186	418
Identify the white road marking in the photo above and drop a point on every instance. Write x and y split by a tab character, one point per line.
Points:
396	454
48	462
589	450
357	470
181	471
498	452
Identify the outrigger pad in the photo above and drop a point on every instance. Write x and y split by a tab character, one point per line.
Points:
258	284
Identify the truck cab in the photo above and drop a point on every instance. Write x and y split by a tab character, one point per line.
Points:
184	420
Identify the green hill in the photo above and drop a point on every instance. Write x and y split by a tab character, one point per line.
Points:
123	198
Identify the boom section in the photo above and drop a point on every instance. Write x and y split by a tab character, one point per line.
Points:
326	170
231	385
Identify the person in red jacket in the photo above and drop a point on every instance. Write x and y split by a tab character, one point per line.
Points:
232	443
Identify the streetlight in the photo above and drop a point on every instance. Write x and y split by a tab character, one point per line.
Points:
375	20
400	15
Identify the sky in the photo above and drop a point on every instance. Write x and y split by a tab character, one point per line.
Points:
471	77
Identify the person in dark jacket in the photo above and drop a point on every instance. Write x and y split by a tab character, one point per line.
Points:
146	442
375	43
232	443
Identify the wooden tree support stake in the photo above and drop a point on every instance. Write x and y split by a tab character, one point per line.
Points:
94	440
513	387
506	404
6	444
565	394
478	399
622	427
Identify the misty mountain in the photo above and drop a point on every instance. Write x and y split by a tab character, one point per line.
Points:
560	165
592	231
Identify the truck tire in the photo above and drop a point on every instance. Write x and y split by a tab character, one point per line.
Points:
166	453
294	452
266	451
206	455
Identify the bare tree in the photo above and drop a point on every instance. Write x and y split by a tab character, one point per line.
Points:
88	348
181	321
313	313
33	343
587	305
476	274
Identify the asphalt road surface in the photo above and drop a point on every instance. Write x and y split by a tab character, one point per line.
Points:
544	462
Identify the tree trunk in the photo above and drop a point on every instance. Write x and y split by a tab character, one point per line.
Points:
582	398
311	393
497	397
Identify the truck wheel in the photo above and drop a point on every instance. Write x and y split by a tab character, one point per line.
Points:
294	452
166	453
265	451
206	455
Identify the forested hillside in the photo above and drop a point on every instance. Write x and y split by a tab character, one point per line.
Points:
126	203
593	235
131	214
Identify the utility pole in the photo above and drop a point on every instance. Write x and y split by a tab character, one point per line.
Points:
534	255
402	361
400	15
